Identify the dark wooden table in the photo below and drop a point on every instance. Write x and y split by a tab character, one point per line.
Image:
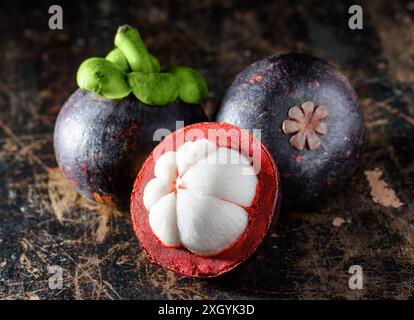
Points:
43	222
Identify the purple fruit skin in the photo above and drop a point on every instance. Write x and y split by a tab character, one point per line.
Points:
260	98
100	144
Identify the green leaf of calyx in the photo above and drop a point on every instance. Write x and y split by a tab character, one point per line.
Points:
102	77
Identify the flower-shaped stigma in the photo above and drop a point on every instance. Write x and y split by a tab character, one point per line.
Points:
304	124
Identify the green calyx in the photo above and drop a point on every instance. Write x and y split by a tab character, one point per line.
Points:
129	41
103	77
154	88
117	57
131	67
192	86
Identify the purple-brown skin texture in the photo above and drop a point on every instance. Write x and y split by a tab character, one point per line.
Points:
101	144
262	95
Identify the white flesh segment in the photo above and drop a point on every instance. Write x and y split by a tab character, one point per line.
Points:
208	225
205	215
163	220
155	190
191	152
180	156
217	176
166	167
227	156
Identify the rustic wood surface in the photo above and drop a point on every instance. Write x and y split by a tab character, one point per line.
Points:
44	222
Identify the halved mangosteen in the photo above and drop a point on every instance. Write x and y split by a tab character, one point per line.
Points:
310	120
204	199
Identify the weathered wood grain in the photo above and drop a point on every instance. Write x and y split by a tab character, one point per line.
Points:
44	222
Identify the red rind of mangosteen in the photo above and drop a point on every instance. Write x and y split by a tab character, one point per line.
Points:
262	213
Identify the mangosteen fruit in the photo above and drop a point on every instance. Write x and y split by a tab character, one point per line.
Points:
100	144
125	104
204	199
308	116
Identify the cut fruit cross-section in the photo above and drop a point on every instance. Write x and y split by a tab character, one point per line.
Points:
203	198
203	205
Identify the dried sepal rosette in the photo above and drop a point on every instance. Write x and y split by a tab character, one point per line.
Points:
305	123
